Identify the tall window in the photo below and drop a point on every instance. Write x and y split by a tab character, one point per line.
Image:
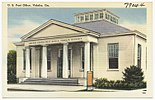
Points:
139	55
82	58
106	16
96	16
30	58
101	15
69	59
78	19
91	16
48	58
113	55
81	18
24	59
86	17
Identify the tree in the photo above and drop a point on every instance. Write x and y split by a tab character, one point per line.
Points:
11	66
133	74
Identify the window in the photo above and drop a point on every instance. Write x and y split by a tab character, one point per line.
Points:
91	16
96	16
86	17
81	18
24	59
111	18
82	58
114	20
30	58
117	21
48	58
139	55
113	55
101	15
106	16
78	19
69	59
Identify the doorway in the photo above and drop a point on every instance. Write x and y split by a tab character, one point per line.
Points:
60	63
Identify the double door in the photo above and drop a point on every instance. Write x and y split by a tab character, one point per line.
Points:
60	63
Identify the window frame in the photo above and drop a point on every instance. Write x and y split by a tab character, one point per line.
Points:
49	58
82	58
86	17
139	55
112	68
96	16
91	17
101	15
24	59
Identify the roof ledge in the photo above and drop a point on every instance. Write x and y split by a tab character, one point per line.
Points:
19	43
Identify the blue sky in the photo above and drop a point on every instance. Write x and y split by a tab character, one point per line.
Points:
23	20
40	15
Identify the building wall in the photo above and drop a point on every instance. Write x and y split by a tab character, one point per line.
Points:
142	42
126	56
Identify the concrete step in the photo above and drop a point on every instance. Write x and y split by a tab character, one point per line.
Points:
62	81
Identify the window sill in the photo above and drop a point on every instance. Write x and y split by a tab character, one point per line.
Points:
112	69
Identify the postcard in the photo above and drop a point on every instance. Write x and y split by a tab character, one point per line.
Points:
77	49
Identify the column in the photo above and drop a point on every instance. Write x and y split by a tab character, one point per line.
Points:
87	59
44	62
27	69
65	60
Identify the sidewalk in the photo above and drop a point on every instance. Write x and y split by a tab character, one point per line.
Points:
58	88
43	88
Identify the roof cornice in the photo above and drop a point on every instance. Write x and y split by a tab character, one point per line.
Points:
52	21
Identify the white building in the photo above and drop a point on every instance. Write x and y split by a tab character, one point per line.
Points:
95	42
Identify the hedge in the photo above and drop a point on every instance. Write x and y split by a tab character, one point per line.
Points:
104	83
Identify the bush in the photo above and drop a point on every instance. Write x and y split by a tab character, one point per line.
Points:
103	83
11	67
133	79
133	74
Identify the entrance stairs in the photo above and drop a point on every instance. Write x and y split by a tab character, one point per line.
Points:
56	81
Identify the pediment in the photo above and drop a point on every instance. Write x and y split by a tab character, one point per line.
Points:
54	30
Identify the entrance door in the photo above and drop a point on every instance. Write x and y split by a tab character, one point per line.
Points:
69	62
60	64
38	62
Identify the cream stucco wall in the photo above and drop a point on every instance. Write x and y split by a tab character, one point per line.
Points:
142	42
126	56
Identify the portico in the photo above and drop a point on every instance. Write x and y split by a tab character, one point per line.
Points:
57	50
65	56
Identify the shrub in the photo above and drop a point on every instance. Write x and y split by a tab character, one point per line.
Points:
119	84
11	66
133	74
133	79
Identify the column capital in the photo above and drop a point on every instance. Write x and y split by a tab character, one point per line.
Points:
45	45
87	42
27	47
66	43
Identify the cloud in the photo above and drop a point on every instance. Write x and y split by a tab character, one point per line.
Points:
16	31
135	26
